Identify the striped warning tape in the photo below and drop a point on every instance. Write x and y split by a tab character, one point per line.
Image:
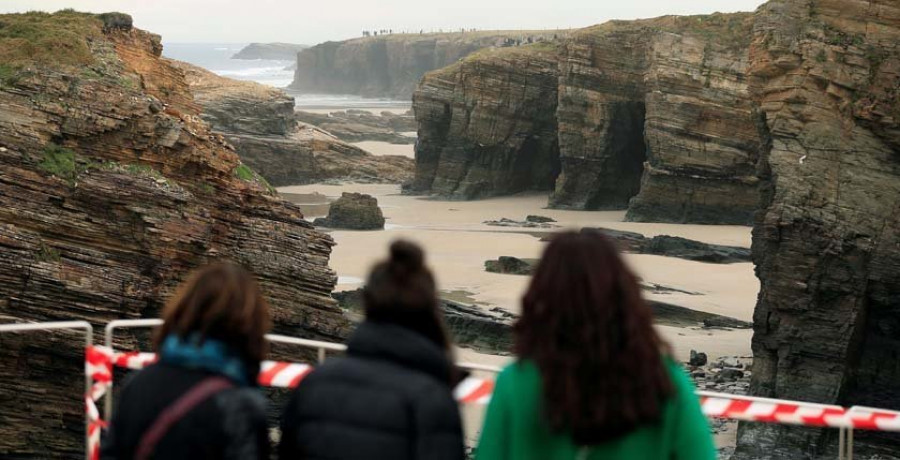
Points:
99	363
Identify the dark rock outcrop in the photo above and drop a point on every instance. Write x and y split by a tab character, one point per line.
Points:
270	51
353	211
488	331
259	121
827	241
652	115
392	65
674	246
527	223
683	248
111	191
510	265
363	125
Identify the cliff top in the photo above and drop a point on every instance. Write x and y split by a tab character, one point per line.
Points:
53	39
733	30
113	65
458	36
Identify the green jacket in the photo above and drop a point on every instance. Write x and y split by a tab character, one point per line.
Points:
514	427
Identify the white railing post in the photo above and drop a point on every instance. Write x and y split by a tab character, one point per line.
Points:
88	341
842	443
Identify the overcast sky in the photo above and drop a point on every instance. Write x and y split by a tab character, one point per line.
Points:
311	22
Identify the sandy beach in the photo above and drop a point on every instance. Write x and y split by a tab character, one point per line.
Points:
379	148
458	243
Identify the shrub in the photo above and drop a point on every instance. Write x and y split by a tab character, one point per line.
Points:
114	20
59	161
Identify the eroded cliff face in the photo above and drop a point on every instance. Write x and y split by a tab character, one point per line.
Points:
827	323
111	191
487	125
653	116
260	122
392	65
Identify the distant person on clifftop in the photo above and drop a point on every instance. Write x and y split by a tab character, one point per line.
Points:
593	380
391	397
200	400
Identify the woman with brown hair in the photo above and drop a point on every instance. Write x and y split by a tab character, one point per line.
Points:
391	396
199	401
593	380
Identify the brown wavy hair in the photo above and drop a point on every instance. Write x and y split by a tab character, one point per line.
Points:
590	333
221	301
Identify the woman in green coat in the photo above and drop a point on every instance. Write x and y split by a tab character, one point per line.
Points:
593	380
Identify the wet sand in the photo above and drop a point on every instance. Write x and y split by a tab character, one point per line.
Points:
458	243
325	110
379	148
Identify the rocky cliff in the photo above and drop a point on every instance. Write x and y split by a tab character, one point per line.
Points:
653	116
260	122
794	111
112	189
826	74
391	65
270	51
487	125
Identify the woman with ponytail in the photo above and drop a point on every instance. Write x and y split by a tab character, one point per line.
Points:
391	396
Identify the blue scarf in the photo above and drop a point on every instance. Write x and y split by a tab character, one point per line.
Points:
210	355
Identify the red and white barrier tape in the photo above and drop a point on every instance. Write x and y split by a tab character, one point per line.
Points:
99	362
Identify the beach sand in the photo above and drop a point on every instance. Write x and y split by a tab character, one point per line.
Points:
379	148
458	242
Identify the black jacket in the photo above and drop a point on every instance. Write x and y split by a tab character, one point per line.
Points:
230	424
390	398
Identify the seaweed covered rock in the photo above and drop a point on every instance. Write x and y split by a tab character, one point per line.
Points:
510	265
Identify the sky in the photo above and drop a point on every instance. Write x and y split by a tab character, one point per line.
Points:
311	22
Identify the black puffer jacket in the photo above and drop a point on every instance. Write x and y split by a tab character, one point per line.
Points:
230	424
390	398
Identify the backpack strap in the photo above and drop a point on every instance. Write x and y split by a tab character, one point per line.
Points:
176	411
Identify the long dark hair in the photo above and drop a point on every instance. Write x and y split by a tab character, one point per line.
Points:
590	333
221	301
401	290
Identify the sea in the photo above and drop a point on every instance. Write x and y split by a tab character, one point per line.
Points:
216	57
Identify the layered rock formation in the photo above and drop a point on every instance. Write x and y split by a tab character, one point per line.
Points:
270	51
655	113
353	211
826	244
111	191
392	65
487	126
363	125
259	121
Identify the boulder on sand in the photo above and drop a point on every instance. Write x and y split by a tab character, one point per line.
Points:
510	265
353	211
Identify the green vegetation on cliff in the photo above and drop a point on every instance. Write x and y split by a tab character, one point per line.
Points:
61	38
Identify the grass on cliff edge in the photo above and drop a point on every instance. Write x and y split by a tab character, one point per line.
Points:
247	174
59	38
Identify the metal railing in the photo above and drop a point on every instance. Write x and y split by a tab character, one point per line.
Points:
845	422
321	348
56	326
